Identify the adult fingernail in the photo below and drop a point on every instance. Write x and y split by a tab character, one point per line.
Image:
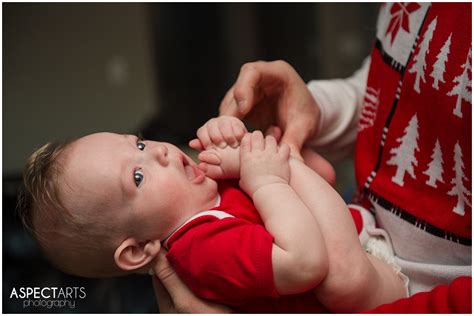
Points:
242	104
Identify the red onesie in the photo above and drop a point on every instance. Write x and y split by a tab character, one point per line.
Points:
226	256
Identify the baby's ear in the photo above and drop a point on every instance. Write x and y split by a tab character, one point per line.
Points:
133	254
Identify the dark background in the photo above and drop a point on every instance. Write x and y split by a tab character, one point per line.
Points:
195	52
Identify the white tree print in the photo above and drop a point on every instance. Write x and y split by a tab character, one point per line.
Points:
435	167
404	155
439	66
458	189
419	64
463	87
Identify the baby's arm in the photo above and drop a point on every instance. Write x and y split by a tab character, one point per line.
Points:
355	281
299	253
299	257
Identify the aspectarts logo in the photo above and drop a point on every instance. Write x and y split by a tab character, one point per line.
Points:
49	297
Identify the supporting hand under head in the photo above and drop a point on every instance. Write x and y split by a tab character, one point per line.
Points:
173	296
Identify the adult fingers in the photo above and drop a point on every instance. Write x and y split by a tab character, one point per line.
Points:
163	298
284	151
183	299
274	131
170	282
256	78
294	138
228	105
319	164
247	88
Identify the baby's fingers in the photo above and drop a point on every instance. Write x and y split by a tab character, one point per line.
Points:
239	129
246	144
203	135
258	142
196	144
210	157
215	134
212	171
227	132
271	144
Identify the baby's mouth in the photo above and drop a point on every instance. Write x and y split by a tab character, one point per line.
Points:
193	173
189	170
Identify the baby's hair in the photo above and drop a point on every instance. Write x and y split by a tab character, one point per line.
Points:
40	192
67	239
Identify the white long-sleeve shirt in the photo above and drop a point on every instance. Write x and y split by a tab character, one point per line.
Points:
340	101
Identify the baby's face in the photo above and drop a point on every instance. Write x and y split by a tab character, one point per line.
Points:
142	186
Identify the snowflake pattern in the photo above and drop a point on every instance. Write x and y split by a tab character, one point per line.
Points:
400	14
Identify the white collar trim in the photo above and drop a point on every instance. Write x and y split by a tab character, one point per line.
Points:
216	213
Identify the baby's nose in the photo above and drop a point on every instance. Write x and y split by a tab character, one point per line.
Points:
160	152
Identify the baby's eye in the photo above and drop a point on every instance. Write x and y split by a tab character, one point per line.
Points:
138	177
141	144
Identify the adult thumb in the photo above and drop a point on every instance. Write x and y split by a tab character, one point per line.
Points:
293	138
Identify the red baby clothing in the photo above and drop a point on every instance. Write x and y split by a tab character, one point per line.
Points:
228	259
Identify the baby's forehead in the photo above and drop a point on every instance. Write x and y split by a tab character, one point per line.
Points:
92	172
95	159
100	137
99	144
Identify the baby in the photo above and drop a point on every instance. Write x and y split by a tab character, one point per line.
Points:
106	204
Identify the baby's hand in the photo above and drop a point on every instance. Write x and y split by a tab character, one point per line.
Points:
220	131
309	156
220	163
218	141
262	162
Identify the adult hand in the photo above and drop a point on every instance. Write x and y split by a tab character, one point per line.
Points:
174	296
272	93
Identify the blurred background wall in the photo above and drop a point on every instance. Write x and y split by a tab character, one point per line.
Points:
156	68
